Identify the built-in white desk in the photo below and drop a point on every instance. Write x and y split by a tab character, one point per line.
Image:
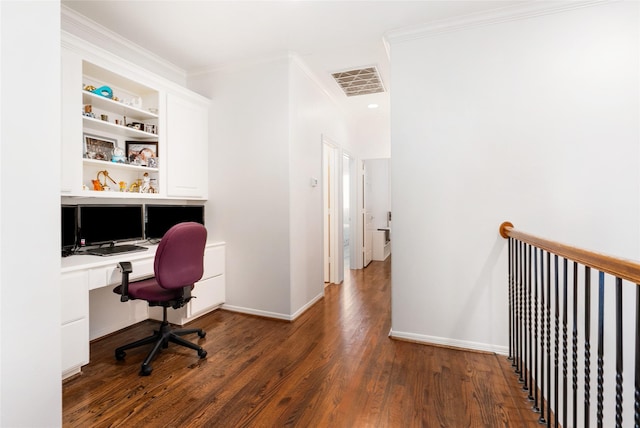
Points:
90	309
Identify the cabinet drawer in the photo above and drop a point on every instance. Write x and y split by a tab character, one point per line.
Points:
141	269
209	293
214	259
97	278
75	344
74	296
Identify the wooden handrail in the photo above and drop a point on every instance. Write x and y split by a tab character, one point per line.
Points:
622	268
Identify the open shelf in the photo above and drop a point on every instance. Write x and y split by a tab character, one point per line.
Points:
101	125
113	194
116	165
116	106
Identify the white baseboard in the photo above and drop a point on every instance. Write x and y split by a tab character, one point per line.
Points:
256	312
276	315
114	326
462	344
307	306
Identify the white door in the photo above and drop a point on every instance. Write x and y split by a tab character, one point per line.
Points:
367	220
332	191
326	190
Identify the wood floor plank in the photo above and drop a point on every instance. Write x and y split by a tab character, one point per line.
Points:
334	366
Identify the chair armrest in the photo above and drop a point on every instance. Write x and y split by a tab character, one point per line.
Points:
126	269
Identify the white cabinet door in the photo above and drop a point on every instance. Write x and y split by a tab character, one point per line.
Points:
209	294
75	345
71	105
187	147
214	261
74	295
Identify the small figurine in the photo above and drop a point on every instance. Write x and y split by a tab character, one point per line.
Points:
118	155
146	183
102	186
104	91
135	186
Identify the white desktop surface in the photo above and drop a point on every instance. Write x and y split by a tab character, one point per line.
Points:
87	261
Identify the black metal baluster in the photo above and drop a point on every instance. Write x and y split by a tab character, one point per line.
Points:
527	319
548	339
587	344
535	363
510	290
600	348
565	275
516	295
575	344
523	277
542	337
520	313
513	301
618	352
557	339
636	400
523	315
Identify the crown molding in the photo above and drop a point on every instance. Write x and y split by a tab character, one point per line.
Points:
85	29
503	14
302	65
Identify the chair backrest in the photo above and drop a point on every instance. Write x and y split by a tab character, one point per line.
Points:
179	258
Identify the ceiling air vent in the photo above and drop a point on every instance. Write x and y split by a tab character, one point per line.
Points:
359	82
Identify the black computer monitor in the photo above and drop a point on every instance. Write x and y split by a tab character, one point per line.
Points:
161	218
69	226
104	224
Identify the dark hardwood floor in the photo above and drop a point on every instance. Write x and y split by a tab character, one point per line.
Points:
335	366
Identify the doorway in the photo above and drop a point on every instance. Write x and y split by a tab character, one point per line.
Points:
341	210
331	189
347	228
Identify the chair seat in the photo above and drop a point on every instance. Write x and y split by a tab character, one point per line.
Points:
148	289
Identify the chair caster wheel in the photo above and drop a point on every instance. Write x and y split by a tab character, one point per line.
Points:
202	333
120	355
202	353
145	370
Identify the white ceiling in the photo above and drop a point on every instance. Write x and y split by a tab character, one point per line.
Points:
328	36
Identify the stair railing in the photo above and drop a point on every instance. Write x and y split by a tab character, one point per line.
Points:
548	278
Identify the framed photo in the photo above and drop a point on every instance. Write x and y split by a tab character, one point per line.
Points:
144	153
100	148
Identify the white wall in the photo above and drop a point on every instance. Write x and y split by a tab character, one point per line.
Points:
30	382
249	181
313	115
371	133
266	126
534	121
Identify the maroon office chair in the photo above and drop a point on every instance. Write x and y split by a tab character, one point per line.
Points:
177	266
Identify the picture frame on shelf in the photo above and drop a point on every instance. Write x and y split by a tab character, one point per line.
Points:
98	147
143	153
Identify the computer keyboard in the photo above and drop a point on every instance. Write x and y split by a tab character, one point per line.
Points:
118	249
